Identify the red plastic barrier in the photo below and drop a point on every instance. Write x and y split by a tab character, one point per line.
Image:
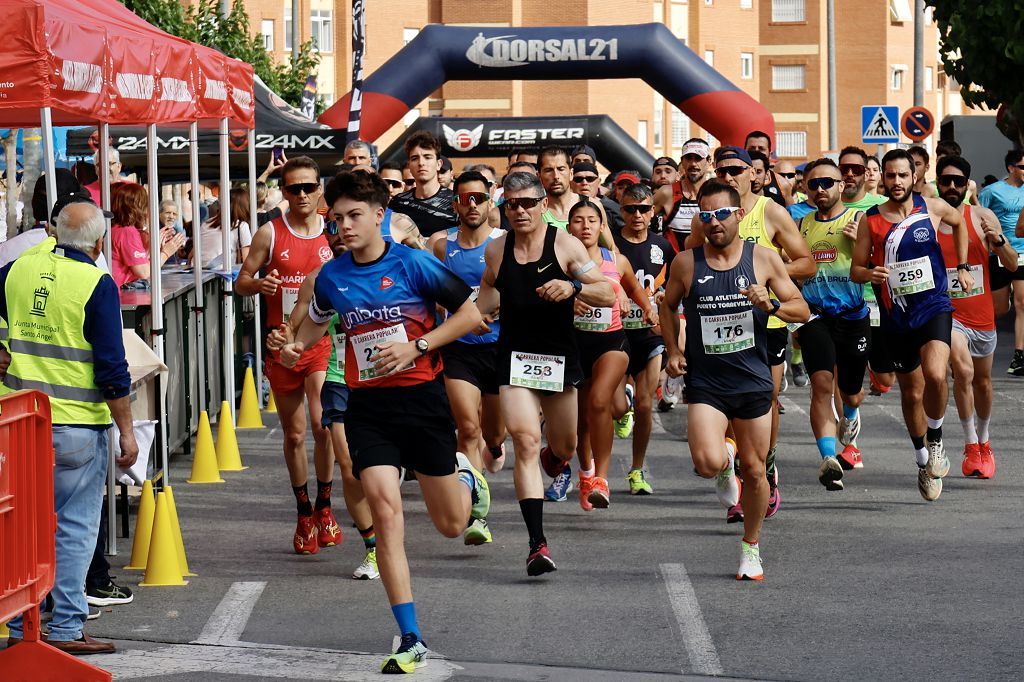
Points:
27	528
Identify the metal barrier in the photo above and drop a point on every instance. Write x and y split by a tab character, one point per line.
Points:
28	524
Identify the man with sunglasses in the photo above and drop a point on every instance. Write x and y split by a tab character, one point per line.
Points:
726	286
535	271
650	255
471	361
897	251
391	173
289	248
555	177
973	341
678	203
766	223
761	142
835	340
429	204
1005	198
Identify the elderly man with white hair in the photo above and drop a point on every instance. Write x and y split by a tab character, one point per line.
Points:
64	326
113	169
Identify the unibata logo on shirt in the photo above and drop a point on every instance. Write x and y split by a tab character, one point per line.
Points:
358	316
386	282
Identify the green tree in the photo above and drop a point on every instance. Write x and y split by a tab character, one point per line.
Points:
232	35
982	49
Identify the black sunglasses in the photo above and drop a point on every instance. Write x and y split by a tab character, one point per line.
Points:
302	187
409	182
633	209
525	203
821	183
788	176
857	169
954	180
580	179
733	171
395	183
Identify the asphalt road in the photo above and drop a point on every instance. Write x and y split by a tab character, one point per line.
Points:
868	583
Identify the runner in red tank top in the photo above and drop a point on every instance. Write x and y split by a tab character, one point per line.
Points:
973	340
288	249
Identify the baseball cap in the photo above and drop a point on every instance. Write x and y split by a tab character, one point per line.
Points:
696	147
725	153
446	164
583	167
584	149
630	175
665	161
81	196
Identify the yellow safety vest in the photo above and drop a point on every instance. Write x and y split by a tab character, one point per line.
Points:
752	229
46	294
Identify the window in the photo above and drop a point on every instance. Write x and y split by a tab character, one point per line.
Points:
929	78
680	128
322	29
788	77
709	57
791	144
785	11
641	133
746	65
408	34
287	27
900	11
897	74
267	32
746	4
659	117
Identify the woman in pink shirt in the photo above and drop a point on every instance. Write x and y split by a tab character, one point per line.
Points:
129	234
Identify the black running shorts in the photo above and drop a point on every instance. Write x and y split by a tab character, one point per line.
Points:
835	344
734	406
474	363
644	345
595	344
904	347
778	339
334	400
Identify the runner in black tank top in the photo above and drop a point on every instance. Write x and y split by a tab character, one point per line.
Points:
724	285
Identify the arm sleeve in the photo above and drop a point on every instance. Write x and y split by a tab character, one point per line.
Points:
102	329
320	307
437	283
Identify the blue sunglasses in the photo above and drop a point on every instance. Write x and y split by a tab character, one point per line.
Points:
721	214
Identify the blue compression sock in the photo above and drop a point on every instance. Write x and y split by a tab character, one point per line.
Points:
849	412
405	616
826	446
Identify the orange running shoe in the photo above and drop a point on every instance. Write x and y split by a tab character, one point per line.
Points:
876	387
972	460
988	461
585	486
850	458
599	496
329	533
305	541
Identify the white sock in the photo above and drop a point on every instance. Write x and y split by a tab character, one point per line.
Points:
983	429
589	472
935	423
921	456
970	435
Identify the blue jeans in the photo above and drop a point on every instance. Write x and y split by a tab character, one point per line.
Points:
79	473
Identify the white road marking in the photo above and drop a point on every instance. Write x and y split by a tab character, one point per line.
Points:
696	638
656	426
1007	396
230	617
790	405
898	418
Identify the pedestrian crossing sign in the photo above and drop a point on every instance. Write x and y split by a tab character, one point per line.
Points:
878	124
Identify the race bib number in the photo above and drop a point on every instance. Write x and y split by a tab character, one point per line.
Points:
288	298
474	294
634	319
541	372
953	284
874	313
793	326
594	320
364	346
723	334
1020	260
338	340
911	277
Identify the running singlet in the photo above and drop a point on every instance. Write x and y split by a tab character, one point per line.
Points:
469	265
831	291
915	290
385	226
603	319
430	215
866	202
972	308
539	333
752	229
336	365
650	260
550	219
294	257
726	336
392	299
680	218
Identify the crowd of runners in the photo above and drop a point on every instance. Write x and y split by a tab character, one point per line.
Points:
420	320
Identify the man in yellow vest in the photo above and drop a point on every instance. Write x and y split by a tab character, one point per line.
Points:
64	339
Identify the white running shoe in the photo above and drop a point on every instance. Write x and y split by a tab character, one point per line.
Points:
726	484
368	569
830	474
492	463
938	463
750	563
849	430
930	488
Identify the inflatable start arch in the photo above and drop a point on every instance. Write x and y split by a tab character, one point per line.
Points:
646	51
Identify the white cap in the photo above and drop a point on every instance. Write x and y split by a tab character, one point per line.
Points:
699	148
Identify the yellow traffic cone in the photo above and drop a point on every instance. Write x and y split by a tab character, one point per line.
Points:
228	458
204	463
179	543
249	411
143	529
271	405
162	568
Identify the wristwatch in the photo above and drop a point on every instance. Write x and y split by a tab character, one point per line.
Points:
577	286
963	266
422	345
1002	241
775	305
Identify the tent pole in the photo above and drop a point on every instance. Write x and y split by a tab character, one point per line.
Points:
50	167
257	340
227	259
104	165
202	401
156	291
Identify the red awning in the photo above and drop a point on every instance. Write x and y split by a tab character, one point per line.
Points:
95	60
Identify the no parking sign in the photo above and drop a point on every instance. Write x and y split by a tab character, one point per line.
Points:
917	123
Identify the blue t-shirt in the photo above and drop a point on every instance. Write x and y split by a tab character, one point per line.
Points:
798	211
1006	201
390	300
